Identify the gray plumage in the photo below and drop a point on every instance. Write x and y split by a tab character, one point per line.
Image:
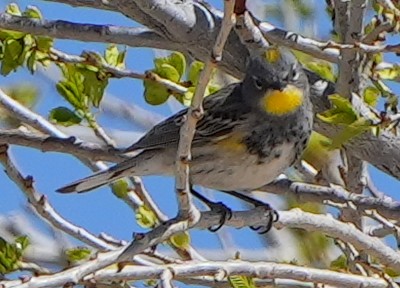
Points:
238	145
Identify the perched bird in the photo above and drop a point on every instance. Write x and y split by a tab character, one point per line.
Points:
250	133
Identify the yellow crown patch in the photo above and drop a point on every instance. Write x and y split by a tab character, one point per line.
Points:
282	102
272	55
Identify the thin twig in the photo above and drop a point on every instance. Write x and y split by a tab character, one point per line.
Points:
314	193
43	207
195	112
87	58
71	145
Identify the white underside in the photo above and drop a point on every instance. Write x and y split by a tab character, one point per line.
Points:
245	173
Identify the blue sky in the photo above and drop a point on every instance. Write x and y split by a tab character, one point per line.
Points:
100	211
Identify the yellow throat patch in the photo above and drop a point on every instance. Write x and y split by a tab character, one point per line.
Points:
282	102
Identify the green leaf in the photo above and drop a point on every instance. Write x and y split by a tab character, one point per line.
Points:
77	254
342	104
371	96
121	60
111	55
33	13
155	93
23	241
13	9
145	217
44	43
42	58
94	86
392	272
350	131
377	7
11	253
31	62
64	116
212	89
12	52
178	61
194	72
238	281
186	99
317	152
8	34
70	93
392	73
371	26
341	113
167	71
340	263
383	88
323	69
180	240
120	188
338	118
114	57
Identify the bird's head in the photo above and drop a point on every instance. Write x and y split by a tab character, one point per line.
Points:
275	82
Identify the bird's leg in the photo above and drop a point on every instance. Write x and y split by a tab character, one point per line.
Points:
273	214
219	207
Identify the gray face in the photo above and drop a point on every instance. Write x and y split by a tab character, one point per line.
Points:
263	75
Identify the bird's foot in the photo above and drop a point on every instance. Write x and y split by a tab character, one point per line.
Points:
218	207
273	215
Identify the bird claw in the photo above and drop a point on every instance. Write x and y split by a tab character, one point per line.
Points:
221	209
273	217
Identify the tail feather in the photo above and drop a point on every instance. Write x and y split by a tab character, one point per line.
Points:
98	179
148	162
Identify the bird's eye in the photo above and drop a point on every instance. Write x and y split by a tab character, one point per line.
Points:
258	83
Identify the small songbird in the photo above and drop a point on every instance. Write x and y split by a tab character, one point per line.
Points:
250	133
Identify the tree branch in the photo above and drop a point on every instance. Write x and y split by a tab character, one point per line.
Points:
343	231
261	270
314	193
43	207
134	37
71	145
195	112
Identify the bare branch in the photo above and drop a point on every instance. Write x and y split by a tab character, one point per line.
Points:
134	37
294	219
90	4
70	145
43	207
314	193
342	231
166	279
261	270
195	112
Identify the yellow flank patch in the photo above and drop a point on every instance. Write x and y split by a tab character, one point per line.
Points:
282	102
272	55
233	143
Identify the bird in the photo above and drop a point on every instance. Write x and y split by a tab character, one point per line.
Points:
251	131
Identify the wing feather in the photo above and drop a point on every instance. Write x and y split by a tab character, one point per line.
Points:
220	112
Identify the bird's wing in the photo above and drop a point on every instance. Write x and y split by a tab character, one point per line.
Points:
217	121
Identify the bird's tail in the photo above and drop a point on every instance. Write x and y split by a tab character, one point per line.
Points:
101	178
